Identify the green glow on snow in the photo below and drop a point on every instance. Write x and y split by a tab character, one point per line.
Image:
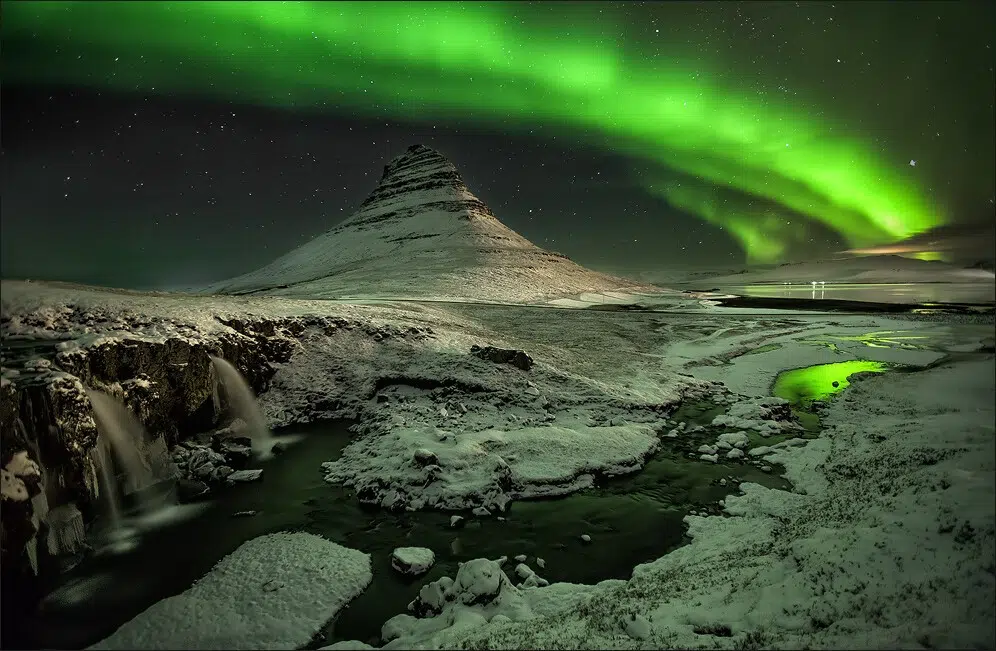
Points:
803	385
478	63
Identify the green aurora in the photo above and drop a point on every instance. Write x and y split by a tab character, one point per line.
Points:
756	167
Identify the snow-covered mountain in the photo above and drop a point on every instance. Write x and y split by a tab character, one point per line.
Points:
423	234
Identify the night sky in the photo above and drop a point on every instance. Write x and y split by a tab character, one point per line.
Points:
169	144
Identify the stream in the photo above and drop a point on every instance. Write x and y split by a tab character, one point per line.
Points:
631	520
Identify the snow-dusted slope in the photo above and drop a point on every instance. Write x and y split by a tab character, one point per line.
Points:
422	234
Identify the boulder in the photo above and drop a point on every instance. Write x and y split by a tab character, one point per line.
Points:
412	561
245	475
191	490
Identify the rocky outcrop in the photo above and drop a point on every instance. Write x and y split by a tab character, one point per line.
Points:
517	358
46	423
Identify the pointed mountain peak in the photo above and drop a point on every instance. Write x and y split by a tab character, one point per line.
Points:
419	160
422	232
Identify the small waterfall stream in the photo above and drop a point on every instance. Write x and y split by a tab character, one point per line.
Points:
243	405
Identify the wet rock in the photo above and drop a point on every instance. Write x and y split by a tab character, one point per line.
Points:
241	476
521	558
585	538
456	521
222	472
481	511
235	454
244	514
735	453
412	561
204	471
709	457
540	563
517	358
189	490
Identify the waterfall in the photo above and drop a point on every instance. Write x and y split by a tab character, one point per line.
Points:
242	403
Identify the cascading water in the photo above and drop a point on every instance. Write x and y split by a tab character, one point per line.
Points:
108	485
122	440
243	404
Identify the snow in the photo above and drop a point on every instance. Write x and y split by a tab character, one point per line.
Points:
903	476
423	234
273	592
412	561
491	467
886	541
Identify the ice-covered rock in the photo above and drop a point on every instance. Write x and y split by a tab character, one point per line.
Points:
523	570
478	581
412	561
273	592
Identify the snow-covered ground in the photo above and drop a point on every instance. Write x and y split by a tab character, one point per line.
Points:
273	592
905	457
886	541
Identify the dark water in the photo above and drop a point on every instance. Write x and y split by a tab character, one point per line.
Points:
631	520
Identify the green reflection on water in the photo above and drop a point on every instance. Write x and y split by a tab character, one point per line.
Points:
803	385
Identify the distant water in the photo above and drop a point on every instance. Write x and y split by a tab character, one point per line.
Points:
906	293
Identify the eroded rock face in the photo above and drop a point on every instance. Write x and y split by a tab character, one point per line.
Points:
46	417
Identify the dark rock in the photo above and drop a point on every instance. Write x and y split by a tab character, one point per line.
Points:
236	456
245	475
222	472
517	358
190	490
